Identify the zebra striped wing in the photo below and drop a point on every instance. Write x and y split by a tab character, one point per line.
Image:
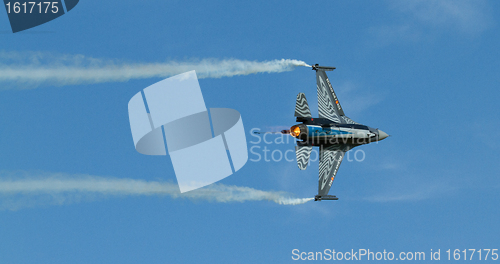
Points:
328	103
330	159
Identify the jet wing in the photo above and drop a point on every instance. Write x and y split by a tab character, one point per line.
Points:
330	159
328	103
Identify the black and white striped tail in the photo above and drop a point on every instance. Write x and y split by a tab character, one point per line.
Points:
301	106
303	153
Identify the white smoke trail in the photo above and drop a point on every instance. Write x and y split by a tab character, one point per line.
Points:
18	190
30	70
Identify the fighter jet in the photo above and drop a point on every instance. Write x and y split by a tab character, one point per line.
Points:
333	132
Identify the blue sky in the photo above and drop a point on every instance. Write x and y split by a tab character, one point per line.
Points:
425	72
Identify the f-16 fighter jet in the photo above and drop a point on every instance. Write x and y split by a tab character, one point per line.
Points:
333	132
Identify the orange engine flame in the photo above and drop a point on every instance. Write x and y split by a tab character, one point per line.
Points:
295	131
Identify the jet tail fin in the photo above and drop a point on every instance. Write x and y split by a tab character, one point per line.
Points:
303	154
301	106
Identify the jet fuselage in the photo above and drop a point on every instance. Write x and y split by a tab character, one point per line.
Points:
321	131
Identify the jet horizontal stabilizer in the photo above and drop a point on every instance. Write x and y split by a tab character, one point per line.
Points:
301	107
316	67
325	197
303	154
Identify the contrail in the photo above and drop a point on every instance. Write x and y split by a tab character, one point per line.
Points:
18	191
30	70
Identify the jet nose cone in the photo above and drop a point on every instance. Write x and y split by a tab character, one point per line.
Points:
382	135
